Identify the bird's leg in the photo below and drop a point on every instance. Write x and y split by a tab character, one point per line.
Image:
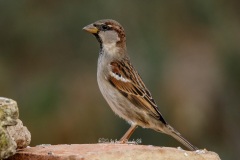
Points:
128	134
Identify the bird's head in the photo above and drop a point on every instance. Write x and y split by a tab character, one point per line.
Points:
109	33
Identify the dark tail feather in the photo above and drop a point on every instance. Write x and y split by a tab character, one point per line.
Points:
175	134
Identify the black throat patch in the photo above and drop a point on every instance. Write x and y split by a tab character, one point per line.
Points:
98	39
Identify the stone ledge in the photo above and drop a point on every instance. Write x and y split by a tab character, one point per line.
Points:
109	151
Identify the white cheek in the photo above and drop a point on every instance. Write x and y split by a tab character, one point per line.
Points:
109	40
109	37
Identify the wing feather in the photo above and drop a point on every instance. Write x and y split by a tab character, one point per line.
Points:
125	78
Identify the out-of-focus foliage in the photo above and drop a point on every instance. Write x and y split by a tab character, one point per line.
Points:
187	52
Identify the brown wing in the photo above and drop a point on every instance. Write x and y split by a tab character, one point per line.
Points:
125	78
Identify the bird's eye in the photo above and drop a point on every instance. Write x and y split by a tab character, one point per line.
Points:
105	27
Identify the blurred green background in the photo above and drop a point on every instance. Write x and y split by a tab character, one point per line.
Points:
187	52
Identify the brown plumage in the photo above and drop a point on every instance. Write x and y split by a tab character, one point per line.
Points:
134	90
121	85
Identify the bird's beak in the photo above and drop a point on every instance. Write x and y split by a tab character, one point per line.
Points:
91	29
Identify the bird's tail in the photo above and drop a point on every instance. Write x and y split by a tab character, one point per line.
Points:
175	134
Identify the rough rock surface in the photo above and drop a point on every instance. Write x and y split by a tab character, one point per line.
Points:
13	134
20	134
110	152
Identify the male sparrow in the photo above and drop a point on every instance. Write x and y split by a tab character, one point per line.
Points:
121	85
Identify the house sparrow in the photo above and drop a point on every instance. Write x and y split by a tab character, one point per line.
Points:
121	85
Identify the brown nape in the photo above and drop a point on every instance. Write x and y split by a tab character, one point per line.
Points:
121	34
